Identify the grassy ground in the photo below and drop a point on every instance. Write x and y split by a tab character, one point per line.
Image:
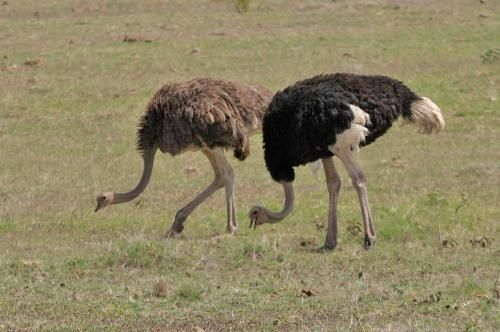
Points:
71	91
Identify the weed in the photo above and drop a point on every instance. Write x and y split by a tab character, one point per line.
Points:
137	254
189	292
7	225
491	56
242	5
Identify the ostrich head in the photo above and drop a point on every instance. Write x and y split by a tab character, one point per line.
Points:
103	200
259	215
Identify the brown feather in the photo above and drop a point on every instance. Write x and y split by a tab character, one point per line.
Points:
203	113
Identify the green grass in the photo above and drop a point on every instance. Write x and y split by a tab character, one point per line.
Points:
67	131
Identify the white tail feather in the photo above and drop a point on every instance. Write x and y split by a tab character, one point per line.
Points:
426	115
348	139
360	116
351	138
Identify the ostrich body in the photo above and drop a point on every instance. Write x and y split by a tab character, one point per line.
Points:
333	115
206	115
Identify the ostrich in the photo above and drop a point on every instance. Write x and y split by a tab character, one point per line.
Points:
332	115
207	115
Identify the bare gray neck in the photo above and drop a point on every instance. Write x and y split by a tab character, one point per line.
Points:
148	158
287	209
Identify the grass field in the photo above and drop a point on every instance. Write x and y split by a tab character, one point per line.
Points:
72	90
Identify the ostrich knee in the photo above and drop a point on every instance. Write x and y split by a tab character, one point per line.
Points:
334	184
183	213
359	181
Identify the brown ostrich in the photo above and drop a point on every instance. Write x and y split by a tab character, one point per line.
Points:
207	115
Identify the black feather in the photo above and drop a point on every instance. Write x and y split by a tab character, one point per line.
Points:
303	119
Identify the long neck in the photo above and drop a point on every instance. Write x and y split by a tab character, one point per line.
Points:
274	217
148	157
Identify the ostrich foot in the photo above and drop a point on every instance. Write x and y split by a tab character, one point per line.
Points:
369	242
327	247
231	229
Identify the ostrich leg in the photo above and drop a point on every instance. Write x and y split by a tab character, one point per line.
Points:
228	177
333	185
359	182
214	156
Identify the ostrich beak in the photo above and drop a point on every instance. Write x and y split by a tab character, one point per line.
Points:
253	222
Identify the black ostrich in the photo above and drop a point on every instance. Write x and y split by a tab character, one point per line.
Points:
329	115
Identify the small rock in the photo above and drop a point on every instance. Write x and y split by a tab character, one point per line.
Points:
160	288
307	292
191	170
32	62
195	51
